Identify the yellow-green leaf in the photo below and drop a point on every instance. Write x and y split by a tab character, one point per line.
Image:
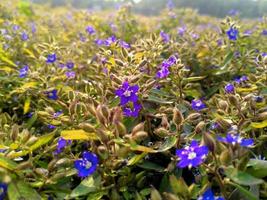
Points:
42	141
27	104
250	89
7	163
262	124
78	135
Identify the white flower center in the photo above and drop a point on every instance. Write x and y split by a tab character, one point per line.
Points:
192	155
127	93
87	164
198	104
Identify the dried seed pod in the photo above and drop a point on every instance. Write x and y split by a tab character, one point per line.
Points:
233	100
100	116
209	141
223	105
178	117
161	132
91	109
138	127
120	129
193	117
117	116
226	157
139	136
200	127
164	122
87	127
14	132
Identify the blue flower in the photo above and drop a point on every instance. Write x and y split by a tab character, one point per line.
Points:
229	88
24	36
247	32
233	12
51	58
110	40
52	94
16	27
124	44
87	165
23	71
208	195
127	93
90	30
197	105
264	32
192	155
132	112
51	127
61	144
232	33
99	42
57	114
236	139
241	79
165	65
165	37
70	74
170	5
258	99
3	190
70	65
181	30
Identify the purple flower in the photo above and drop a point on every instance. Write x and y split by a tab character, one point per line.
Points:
219	42
124	44
87	165
232	33
52	94
236	139
110	40
229	88
208	195
164	36
247	32
233	12
61	144
57	114
214	126
258	99
181	30
70	74
23	71
3	190
51	127
165	65
264	32
70	65
51	58
99	42
90	30
24	36
170	5
192	155
15	27
197	105
241	79
132	112
127	93
195	36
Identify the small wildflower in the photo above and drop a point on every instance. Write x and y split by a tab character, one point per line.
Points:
219	42
258	99
170	5
247	32
90	30
51	127
208	195
165	65
99	42
51	58
70	65
233	12
24	36
124	44
3	190
164	36
181	30
229	88
192	155
264	32
236	139
110	40
15	27
23	71
52	94
61	144
232	33
197	105
127	93
87	165
57	114
70	74
241	79
132	112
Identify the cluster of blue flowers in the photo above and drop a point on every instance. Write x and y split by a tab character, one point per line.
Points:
165	65
129	99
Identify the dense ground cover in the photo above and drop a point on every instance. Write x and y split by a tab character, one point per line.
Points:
116	106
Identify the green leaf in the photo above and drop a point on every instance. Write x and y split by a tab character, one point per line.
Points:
88	185
155	195
193	79
136	158
262	124
44	139
244	191
151	166
20	190
167	144
31	121
96	195
257	168
78	135
179	186
242	178
7	163
228	59
158	100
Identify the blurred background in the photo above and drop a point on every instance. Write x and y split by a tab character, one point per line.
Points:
218	8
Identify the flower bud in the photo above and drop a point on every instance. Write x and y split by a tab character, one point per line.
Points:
100	116
87	127
14	132
200	127
138	127
102	151
105	110
164	121
209	141
178	117
161	132
120	129
193	117
233	100
223	123
223	105
226	157
91	109
117	116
